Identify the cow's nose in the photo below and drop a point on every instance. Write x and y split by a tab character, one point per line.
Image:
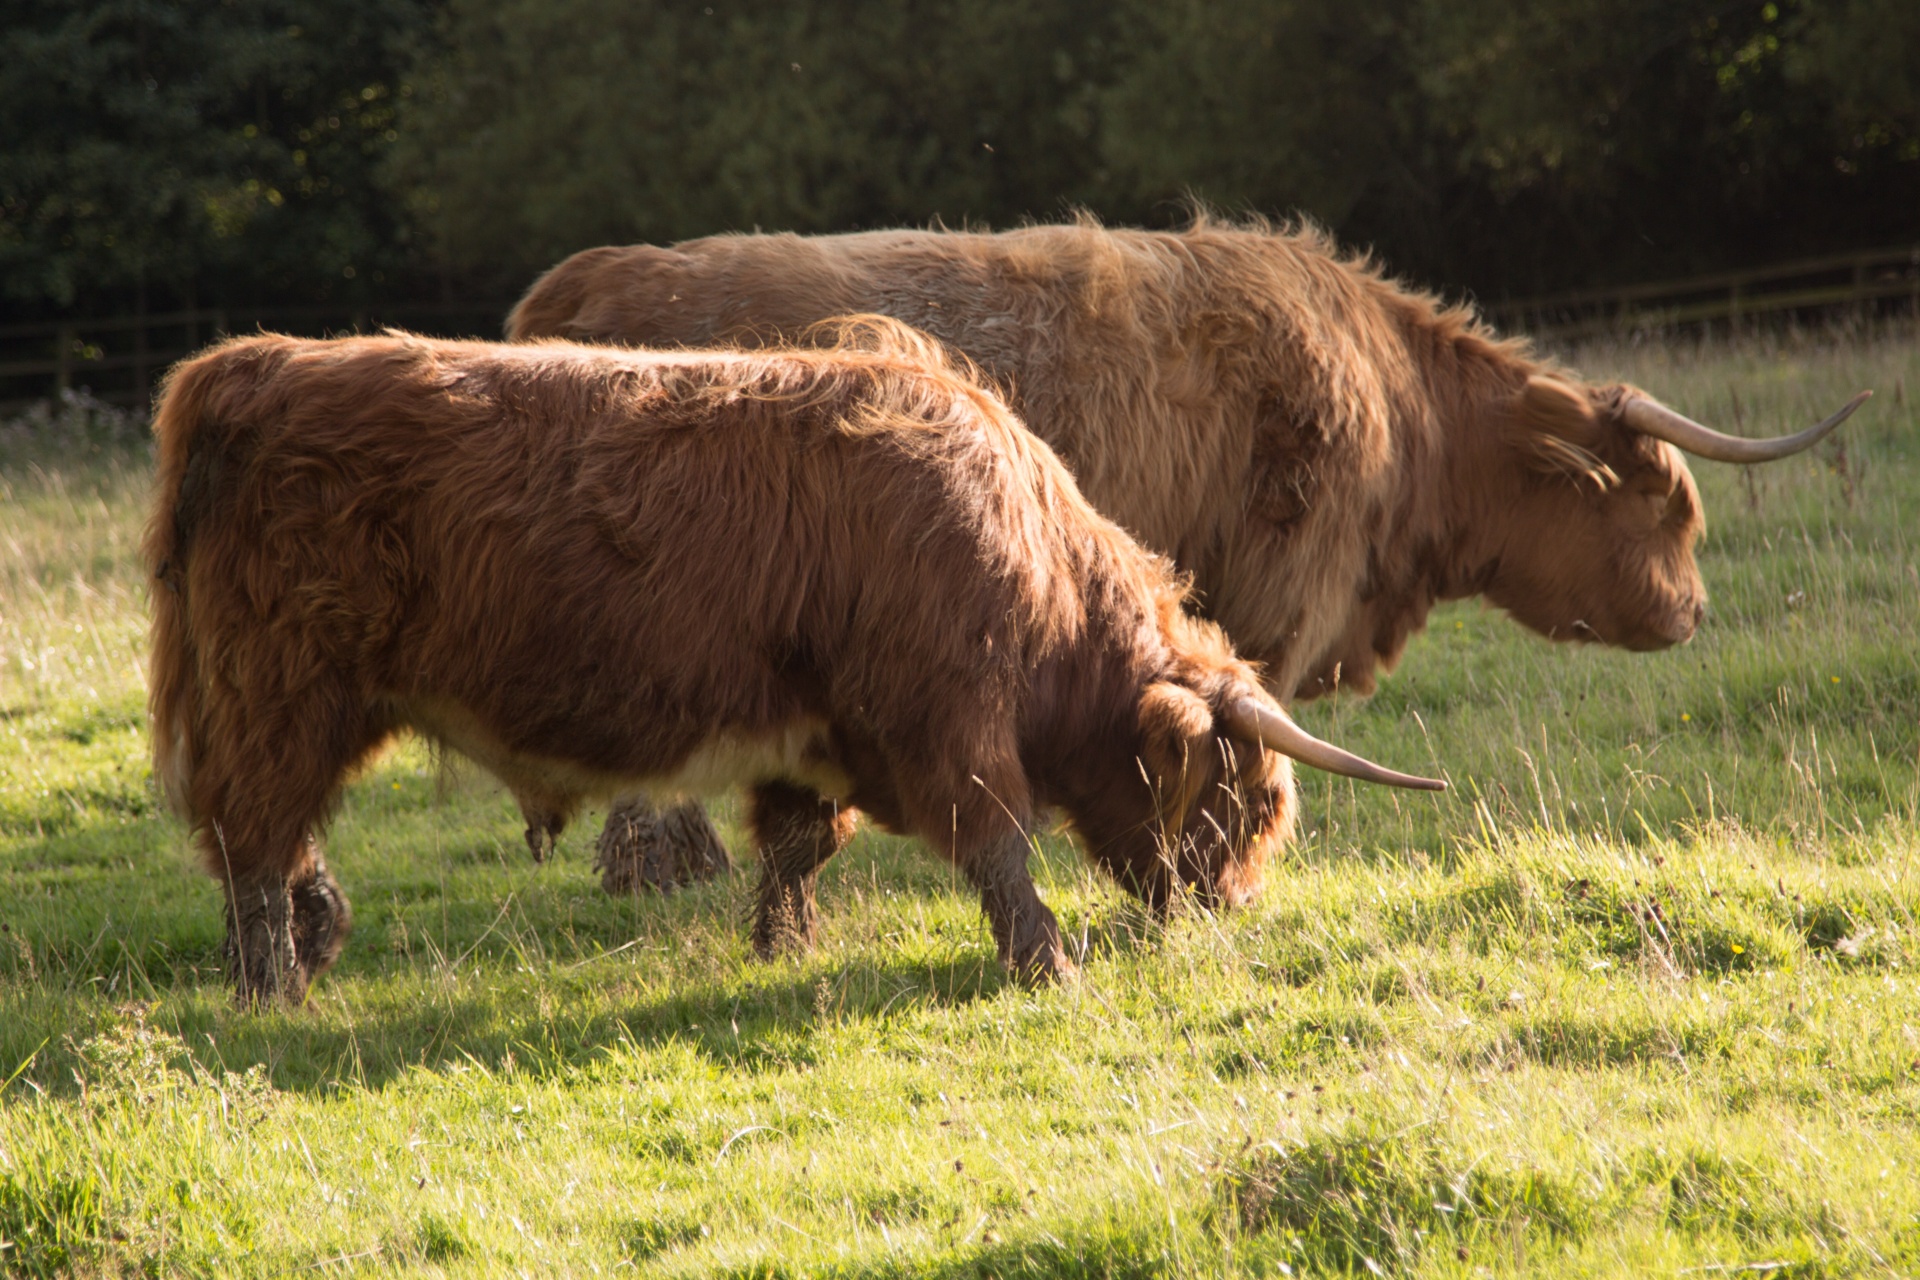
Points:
1691	620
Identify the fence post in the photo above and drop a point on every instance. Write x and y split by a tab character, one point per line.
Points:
63	360
140	359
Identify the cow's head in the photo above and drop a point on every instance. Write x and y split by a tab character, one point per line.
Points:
1212	787
1595	535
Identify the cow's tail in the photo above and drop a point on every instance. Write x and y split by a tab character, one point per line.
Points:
186	432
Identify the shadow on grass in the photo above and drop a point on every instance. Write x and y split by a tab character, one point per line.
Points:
1109	1256
775	1019
488	963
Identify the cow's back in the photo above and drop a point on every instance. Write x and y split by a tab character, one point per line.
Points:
675	544
1075	326
1226	395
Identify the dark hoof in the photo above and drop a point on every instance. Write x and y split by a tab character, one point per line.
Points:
642	848
543	832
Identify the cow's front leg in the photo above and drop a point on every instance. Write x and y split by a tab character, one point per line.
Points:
1024	928
797	830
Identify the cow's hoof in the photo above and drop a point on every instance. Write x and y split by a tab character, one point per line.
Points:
322	918
1044	966
642	848
543	834
263	965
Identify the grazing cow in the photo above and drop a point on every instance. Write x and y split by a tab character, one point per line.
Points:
843	578
1325	452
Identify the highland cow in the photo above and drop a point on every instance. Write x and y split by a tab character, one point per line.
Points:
1327	453
844	579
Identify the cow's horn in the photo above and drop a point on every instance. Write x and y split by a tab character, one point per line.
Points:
1651	418
1256	720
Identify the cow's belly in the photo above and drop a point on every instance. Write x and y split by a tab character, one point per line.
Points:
797	751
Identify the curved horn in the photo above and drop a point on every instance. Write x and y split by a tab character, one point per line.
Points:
1650	418
1255	720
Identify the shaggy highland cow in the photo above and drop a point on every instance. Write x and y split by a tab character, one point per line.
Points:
843	578
1325	452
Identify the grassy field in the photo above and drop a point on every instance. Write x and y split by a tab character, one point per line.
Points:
1639	997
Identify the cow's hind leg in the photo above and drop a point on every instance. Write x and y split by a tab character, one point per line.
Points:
645	848
261	962
263	788
322	917
284	928
797	830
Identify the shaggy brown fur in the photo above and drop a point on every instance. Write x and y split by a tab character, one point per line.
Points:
844	578
1325	451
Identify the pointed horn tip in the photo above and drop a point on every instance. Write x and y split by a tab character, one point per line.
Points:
1649	417
1274	729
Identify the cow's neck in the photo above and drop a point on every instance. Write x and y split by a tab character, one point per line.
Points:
1441	539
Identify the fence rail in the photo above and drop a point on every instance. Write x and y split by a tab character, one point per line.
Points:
1868	278
118	357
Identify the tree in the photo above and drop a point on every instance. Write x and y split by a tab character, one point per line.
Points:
551	125
219	149
1631	139
1278	105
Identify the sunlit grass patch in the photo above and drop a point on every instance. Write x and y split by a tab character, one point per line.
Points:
1638	998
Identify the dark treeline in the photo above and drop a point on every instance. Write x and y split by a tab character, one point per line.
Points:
345	151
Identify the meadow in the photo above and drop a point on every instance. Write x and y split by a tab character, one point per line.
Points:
1639	996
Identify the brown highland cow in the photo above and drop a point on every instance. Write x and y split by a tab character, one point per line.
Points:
1325	452
843	578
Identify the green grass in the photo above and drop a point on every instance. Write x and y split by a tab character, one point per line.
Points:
1639	997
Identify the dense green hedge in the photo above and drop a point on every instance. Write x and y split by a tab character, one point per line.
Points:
289	150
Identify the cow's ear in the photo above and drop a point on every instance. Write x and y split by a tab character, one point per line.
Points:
1550	407
1556	428
1175	726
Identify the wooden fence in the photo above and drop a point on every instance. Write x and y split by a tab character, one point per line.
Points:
119	358
1867	281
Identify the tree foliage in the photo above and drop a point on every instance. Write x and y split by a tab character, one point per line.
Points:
648	119
327	148
218	148
1508	147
